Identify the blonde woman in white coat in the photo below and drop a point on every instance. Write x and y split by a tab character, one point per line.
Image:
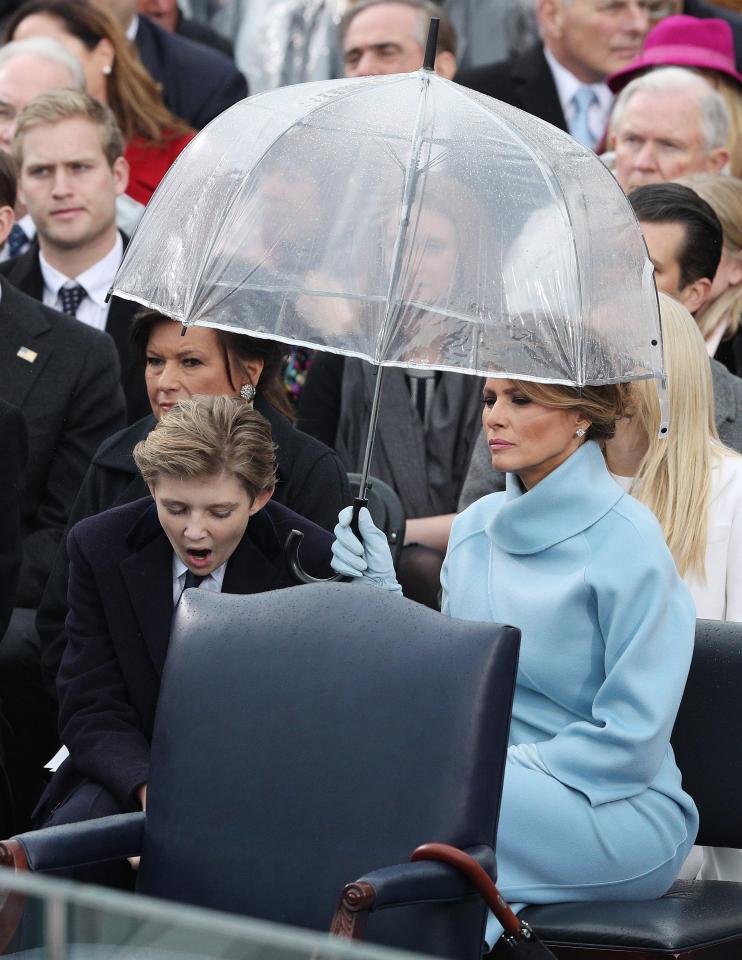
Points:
693	483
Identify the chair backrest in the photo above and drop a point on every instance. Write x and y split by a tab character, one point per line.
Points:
307	736
708	733
385	508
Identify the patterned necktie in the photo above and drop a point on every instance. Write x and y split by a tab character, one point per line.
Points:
71	295
193	580
580	127
17	241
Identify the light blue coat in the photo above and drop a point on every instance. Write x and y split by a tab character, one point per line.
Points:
593	806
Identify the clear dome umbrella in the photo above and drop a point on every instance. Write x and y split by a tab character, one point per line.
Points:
409	221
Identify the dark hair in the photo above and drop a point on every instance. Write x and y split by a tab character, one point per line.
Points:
704	238
8	185
132	93
448	41
235	347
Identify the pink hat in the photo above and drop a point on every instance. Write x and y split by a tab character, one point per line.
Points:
683	42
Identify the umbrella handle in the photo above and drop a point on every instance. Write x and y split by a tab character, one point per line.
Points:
295	537
478	878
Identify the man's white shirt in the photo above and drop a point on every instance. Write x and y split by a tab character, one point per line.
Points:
567	86
96	280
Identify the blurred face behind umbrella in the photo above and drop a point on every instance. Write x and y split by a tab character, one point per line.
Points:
180	367
386	38
593	38
525	437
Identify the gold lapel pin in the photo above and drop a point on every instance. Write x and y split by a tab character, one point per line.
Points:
28	355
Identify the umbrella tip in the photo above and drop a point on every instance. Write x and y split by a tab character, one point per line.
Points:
432	44
183	329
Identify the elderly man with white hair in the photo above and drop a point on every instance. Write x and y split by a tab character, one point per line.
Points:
665	124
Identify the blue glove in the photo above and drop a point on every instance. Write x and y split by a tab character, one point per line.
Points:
369	560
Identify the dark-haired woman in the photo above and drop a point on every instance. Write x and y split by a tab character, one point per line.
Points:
114	75
593	806
310	478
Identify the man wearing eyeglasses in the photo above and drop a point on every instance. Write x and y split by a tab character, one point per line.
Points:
562	78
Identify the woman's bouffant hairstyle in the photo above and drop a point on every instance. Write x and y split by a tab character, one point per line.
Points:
235	348
724	195
205	436
602	406
674	477
132	93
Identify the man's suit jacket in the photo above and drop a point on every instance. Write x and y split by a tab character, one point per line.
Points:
64	377
202	33
198	83
118	631
525	82
14	446
728	405
24	273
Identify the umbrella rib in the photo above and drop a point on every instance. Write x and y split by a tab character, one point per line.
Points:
256	166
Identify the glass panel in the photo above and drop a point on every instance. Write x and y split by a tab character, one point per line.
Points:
43	918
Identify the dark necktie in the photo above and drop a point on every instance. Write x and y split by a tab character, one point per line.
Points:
193	580
71	296
17	241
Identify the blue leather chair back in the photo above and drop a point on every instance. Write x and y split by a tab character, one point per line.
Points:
307	736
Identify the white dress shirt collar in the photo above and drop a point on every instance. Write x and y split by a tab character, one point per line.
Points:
131	30
96	280
567	85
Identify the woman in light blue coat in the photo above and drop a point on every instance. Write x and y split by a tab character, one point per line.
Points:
593	807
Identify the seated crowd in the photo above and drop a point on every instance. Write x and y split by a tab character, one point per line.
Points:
141	462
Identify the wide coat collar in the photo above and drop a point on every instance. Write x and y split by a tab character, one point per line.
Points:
567	501
255	566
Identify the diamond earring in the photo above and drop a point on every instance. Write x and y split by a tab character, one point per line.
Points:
247	392
580	432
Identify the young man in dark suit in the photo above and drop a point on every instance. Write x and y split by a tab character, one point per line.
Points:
562	79
64	378
210	467
69	152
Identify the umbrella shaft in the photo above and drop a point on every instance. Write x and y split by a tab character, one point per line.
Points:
371	433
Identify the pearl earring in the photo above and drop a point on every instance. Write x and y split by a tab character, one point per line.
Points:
580	432
107	70
247	392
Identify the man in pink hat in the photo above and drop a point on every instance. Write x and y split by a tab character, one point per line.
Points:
668	123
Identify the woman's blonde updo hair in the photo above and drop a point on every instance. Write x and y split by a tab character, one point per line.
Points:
205	436
602	406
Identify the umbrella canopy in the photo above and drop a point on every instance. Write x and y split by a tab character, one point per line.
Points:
405	220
